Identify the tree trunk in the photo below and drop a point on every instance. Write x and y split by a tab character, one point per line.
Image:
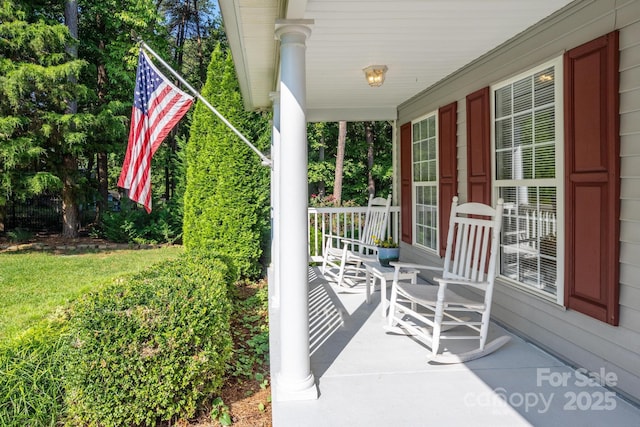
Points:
202	68
70	217
103	182
181	38
3	216
321	186
370	137
70	211
102	158
337	184
167	181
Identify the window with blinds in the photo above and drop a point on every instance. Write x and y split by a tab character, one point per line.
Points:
425	180
528	160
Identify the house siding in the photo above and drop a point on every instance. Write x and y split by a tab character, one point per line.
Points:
576	338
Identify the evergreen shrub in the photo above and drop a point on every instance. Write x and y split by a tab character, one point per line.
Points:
135	225
151	347
226	201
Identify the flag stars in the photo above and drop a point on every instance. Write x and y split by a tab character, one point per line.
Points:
147	82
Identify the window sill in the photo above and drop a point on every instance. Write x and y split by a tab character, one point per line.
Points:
511	285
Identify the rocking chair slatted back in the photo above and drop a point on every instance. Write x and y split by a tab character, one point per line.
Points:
346	260
376	221
472	242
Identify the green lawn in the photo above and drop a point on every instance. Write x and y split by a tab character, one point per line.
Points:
34	284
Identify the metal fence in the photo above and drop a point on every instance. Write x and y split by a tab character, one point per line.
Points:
41	213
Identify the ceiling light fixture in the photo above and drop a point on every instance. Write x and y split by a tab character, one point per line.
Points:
375	74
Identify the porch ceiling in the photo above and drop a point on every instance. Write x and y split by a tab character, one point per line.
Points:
420	41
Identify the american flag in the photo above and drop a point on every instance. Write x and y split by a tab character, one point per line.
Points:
158	105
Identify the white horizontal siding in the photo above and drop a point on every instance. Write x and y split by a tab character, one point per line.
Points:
630	232
630	173
630	122
578	338
629	252
630	275
630	297
630	210
630	165
630	60
629	144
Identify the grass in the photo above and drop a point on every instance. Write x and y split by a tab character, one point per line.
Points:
33	363
34	284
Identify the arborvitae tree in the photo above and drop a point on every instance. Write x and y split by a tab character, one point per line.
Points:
226	202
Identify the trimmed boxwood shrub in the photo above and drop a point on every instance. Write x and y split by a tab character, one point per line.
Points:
151	347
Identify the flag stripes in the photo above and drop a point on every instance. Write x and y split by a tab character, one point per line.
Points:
157	108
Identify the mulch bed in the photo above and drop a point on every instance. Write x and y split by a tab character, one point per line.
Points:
57	243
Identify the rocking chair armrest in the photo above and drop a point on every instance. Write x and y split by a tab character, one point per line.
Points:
443	281
328	238
347	241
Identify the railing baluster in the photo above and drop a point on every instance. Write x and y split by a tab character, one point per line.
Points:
339	223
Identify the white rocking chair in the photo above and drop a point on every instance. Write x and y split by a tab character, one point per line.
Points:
344	263
426	311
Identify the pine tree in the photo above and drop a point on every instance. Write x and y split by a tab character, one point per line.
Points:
106	43
226	202
37	84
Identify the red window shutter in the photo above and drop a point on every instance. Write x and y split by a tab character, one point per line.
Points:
448	167
592	178
478	147
406	206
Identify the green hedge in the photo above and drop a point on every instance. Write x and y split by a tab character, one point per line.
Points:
151	347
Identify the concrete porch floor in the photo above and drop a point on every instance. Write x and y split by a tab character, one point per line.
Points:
366	377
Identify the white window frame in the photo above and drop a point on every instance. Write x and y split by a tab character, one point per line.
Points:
415	185
557	182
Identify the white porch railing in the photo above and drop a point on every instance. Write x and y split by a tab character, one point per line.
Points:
340	223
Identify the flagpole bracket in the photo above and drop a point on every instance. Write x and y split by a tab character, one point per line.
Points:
265	160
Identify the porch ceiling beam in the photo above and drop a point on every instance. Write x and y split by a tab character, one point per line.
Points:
352	114
296	9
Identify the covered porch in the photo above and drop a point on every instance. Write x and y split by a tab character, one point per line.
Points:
304	60
367	377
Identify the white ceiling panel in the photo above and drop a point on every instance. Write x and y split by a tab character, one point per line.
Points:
420	41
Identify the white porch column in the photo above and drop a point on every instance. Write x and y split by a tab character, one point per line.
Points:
274	268
294	381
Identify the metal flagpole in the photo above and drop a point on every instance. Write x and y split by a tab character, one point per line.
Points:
265	160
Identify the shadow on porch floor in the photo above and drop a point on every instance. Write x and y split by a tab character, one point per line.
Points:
367	377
